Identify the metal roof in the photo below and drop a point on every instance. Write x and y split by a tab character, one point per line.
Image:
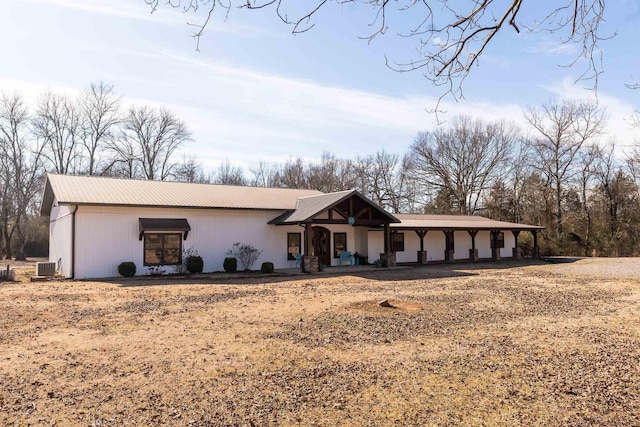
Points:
456	222
91	190
310	206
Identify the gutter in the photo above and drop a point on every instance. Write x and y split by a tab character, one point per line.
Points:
73	242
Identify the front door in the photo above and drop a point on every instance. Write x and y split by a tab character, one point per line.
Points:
321	244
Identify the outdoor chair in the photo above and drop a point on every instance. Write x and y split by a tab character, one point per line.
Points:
346	256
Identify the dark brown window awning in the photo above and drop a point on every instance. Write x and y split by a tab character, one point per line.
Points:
163	225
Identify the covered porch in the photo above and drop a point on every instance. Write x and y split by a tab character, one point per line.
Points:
427	238
335	225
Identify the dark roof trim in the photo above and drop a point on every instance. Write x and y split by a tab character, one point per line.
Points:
150	225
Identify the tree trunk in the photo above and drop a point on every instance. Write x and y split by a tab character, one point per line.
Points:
559	207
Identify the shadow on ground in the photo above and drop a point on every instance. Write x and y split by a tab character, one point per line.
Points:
369	272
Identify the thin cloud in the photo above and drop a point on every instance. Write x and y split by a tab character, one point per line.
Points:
554	48
139	11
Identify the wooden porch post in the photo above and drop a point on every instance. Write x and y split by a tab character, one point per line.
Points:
473	252
516	249
495	250
309	260
388	258
449	245
387	238
536	248
308	235
422	254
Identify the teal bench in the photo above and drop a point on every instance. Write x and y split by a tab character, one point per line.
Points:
346	256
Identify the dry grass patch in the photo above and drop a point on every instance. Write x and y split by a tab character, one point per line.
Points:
507	344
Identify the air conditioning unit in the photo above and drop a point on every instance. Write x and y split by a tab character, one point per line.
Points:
45	269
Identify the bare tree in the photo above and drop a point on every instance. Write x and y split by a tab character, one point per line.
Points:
562	128
151	137
450	37
190	170
21	172
123	158
227	174
330	174
264	175
292	174
464	160
384	178
100	108
57	123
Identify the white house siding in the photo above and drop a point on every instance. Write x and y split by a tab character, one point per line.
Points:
483	244
107	236
375	244
509	244
411	245
462	244
434	244
60	224
361	244
352	243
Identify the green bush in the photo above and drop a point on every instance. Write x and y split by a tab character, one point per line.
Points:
127	269
267	267
195	264
230	265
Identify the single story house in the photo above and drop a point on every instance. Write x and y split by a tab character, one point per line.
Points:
96	223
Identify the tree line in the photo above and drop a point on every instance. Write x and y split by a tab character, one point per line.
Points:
561	172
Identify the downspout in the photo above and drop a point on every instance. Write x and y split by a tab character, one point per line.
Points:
73	242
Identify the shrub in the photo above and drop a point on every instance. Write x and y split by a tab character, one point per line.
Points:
195	264
183	268
127	269
267	267
246	253
230	265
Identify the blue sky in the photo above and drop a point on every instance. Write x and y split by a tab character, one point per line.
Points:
256	92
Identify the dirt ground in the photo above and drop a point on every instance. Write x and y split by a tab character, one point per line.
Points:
512	343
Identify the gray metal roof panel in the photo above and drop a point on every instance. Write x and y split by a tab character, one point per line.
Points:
452	222
90	190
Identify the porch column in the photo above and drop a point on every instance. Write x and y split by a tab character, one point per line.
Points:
495	250
473	252
449	245
388	258
422	254
536	248
308	235
517	253
309	260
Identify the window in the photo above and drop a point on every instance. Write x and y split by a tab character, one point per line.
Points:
339	244
397	242
499	239
162	249
293	245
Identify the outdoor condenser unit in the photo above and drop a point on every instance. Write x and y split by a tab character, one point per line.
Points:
45	268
